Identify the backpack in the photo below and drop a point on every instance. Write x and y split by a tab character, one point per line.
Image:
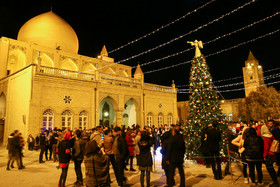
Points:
275	146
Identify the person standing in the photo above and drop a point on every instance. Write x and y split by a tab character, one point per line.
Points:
269	156
78	156
30	141
42	145
130	143
213	140
108	149
64	151
175	155
48	145
96	166
254	148
145	158
239	142
53	142
120	151
14	150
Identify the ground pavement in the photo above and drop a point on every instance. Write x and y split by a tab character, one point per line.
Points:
46	174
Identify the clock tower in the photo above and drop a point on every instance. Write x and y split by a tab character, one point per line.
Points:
252	74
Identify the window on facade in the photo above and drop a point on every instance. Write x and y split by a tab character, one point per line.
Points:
225	116
149	119
169	119
160	119
67	119
230	117
83	120
48	119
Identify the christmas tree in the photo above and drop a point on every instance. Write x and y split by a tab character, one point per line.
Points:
204	105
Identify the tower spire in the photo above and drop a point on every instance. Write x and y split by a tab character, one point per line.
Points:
251	56
104	51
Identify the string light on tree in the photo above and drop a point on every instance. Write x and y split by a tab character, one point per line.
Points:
204	103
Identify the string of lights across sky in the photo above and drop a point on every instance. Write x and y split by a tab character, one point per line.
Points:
186	50
181	36
218	52
239	89
273	76
162	27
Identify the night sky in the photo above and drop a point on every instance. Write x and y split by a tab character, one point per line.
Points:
117	22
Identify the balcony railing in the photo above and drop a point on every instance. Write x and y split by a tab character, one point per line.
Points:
160	88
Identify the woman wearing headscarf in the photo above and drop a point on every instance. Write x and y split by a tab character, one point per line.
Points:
63	151
254	148
97	166
145	158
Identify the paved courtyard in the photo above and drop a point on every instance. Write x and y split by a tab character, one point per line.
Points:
46	174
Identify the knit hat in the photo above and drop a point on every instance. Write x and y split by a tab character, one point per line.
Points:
265	132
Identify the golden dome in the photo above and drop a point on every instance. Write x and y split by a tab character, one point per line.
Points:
49	30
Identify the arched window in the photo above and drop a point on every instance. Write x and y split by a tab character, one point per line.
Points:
230	117
169	119
83	120
48	119
160	119
225	116
67	119
149	118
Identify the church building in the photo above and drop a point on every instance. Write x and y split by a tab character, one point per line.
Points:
46	83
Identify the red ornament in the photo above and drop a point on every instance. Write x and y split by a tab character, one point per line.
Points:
196	134
189	135
193	148
201	98
194	79
200	125
198	72
198	111
223	132
213	108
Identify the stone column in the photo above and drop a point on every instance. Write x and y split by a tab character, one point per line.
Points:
119	118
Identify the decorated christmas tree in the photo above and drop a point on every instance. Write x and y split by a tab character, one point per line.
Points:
204	105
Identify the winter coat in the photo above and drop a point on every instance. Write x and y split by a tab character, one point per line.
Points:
79	149
204	147
136	148
239	142
120	148
63	150
176	149
130	144
15	145
213	140
163	151
42	139
108	144
145	156
267	144
254	148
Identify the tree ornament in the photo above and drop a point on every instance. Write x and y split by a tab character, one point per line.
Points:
198	111
213	108
196	90
189	135
196	134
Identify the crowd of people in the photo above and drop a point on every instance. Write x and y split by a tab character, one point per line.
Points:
256	143
101	146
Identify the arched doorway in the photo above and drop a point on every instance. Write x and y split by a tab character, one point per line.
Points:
129	113
2	115
107	114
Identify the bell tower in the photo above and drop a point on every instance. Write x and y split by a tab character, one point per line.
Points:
252	74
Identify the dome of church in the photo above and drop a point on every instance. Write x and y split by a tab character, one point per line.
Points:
49	30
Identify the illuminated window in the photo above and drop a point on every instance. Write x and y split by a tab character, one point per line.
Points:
83	120
67	119
160	119
149	119
48	119
169	119
230	117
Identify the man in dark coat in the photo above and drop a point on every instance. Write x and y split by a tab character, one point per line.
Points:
121	152
175	155
213	140
42	145
14	150
78	156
